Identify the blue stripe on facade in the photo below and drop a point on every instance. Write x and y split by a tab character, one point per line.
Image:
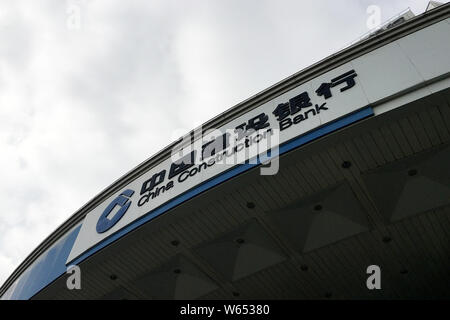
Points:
47	268
53	264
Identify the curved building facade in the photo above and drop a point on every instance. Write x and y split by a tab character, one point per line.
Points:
291	194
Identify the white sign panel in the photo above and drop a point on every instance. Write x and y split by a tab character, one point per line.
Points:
291	114
373	77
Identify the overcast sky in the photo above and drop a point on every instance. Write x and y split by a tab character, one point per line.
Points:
91	88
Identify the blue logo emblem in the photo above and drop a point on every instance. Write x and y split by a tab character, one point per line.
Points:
123	201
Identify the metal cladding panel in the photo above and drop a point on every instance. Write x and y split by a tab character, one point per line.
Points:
386	71
425	47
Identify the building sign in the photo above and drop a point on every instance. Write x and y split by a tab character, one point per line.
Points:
242	140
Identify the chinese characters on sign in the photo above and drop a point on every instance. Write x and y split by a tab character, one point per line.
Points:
303	101
325	88
299	107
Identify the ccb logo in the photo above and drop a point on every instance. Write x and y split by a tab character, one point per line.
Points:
123	201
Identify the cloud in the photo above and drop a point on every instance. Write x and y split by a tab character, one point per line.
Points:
85	98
